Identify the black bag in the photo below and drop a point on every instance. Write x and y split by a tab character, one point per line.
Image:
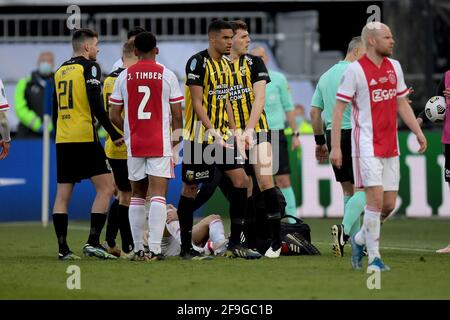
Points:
302	231
298	227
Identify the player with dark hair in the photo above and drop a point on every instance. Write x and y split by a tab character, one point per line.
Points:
79	154
130	36
249	77
207	114
150	97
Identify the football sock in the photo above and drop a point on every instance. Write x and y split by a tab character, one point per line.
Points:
125	229
291	208
272	206
352	212
238	208
97	223
60	222
173	227
371	225
186	217
250	223
137	222
112	225
216	231
156	223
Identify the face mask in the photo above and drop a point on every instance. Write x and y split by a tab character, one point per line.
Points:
298	120
45	68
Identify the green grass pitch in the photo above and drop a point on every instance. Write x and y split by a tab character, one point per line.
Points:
29	269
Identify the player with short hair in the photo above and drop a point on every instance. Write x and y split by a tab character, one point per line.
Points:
150	96
207	114
375	86
117	158
249	77
130	36
278	107
323	101
5	137
79	153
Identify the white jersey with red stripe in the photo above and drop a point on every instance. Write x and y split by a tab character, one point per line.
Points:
3	102
146	89
373	92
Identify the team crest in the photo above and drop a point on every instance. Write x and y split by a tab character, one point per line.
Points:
193	64
392	78
189	175
94	71
243	70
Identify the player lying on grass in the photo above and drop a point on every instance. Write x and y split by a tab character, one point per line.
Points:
208	236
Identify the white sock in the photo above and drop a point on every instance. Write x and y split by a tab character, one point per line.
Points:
156	223
147	207
360	237
216	231
137	222
174	229
371	225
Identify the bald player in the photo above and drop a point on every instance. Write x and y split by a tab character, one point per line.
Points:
375	86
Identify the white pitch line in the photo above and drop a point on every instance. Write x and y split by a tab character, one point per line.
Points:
389	248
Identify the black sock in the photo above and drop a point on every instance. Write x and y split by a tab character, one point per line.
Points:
125	229
238	208
60	222
186	218
250	224
97	223
273	214
112	226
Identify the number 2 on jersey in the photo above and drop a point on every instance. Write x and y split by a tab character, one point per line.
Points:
144	115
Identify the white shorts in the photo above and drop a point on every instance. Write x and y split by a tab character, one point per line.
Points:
139	168
170	247
375	171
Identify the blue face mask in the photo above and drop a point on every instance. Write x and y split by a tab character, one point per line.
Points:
45	68
298	121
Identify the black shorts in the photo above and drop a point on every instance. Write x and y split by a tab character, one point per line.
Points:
283	154
78	161
120	171
345	173
200	161
447	162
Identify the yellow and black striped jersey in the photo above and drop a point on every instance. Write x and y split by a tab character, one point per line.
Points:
213	76
245	71
77	102
112	151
